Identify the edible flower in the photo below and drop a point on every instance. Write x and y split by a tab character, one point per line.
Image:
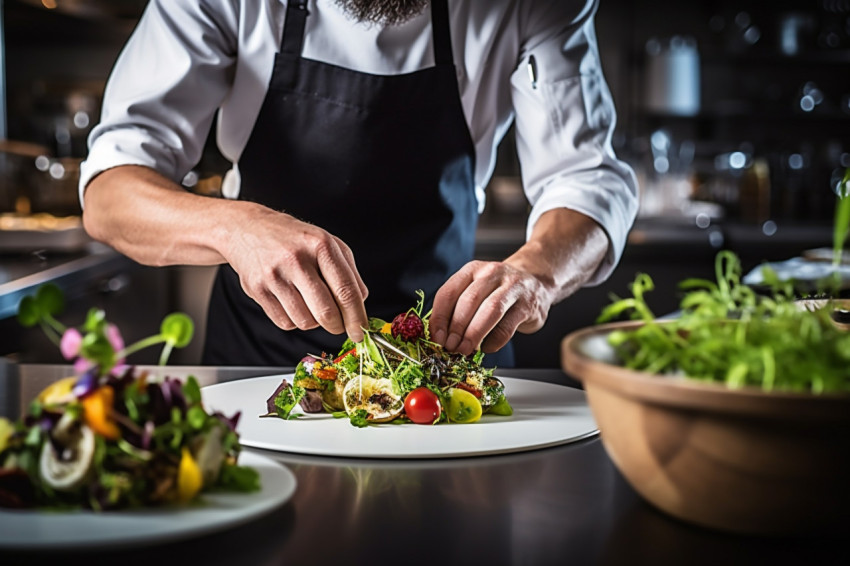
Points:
70	344
189	478
96	412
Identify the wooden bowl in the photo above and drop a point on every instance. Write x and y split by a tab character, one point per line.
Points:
738	460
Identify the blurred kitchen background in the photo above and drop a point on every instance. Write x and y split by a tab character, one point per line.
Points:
734	114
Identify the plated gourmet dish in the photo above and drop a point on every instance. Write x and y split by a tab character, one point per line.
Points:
396	374
112	436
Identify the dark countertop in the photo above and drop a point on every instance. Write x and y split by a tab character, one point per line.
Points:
561	505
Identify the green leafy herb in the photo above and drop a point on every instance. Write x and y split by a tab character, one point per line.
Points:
238	478
727	333
359	418
842	218
287	399
191	390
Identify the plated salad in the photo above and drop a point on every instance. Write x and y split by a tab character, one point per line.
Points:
396	374
112	436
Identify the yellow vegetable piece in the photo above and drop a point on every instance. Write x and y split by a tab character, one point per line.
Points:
6	430
387	328
96	409
58	392
463	406
189	477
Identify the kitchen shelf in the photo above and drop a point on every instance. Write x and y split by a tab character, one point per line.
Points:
823	58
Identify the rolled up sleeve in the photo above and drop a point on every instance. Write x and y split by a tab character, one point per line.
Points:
164	89
564	123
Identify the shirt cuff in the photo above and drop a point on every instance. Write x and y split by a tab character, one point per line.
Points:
612	214
110	151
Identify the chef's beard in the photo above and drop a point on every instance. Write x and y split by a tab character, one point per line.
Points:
383	12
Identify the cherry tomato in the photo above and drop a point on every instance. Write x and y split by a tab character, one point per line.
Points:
344	354
463	406
327	374
466	387
422	406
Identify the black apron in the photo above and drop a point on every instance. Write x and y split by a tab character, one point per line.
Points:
384	162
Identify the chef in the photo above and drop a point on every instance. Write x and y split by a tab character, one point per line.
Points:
362	135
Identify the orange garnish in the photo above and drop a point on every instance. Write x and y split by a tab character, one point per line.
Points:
96	409
328	374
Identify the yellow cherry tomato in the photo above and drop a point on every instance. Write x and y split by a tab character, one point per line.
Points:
189	477
462	406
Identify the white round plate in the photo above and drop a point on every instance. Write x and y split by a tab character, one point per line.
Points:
43	530
544	415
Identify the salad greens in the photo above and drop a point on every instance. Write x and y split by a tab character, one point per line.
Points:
841	225
395	374
728	333
113	437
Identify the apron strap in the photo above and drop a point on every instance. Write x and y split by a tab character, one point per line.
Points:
441	30
292	38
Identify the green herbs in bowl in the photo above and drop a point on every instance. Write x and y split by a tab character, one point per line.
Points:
733	416
728	333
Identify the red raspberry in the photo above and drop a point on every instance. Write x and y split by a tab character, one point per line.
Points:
407	326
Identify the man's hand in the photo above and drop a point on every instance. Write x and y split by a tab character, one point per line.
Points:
301	275
485	303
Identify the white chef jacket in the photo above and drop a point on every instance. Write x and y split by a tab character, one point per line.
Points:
187	59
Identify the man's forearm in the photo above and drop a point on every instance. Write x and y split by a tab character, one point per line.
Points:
564	251
156	222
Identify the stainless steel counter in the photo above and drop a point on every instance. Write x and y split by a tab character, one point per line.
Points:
22	274
559	505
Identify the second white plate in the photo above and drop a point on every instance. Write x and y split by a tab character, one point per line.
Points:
214	511
544	415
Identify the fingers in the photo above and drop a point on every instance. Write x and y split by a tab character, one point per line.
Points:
349	257
336	264
303	277
445	300
499	336
274	310
480	306
483	305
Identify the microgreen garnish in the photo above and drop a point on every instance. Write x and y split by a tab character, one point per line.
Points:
111	437
728	333
842	218
97	342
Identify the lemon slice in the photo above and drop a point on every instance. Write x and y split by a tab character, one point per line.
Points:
59	392
68	470
463	406
373	395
